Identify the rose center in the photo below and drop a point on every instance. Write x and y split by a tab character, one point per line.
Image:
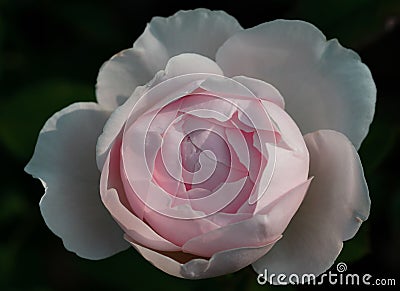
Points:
206	156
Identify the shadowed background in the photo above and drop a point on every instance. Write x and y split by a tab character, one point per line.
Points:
50	54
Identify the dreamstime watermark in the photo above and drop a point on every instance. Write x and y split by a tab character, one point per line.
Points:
199	146
332	278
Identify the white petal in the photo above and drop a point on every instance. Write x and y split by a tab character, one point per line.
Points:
199	31
219	264
191	63
119	77
336	204
65	161
325	86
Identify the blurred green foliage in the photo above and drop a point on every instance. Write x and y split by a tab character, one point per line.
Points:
30	107
50	52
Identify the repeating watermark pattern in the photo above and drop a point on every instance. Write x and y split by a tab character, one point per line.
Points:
340	277
206	146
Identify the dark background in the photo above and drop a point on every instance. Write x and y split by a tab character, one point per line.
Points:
50	53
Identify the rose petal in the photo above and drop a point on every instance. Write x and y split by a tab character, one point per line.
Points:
110	187
113	127
259	230
325	86
176	66
119	77
154	205
332	211
64	161
191	63
208	106
198	31
133	108
289	131
262	90
286	168
160	217
219	264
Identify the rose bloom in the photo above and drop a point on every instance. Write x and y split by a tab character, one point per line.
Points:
212	147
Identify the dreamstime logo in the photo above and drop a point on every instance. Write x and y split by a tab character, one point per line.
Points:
340	278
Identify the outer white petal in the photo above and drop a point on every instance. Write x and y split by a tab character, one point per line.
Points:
119	77
199	31
188	63
219	264
65	161
336	204
325	86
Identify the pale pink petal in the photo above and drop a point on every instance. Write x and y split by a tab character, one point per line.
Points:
227	88
208	106
286	167
239	148
161	217
259	230
288	129
252	113
112	195
143	99
240	199
219	264
223	218
262	90
332	211
154	205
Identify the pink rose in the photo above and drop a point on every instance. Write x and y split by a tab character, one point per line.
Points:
213	147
